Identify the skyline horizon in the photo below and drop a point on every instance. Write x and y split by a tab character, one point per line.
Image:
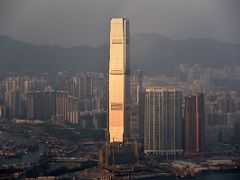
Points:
107	43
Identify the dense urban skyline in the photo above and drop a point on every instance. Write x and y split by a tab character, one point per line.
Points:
83	113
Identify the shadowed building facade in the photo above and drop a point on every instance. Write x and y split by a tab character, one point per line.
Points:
194	123
119	81
163	123
137	111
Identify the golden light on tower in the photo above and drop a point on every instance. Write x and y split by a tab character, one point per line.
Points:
119	84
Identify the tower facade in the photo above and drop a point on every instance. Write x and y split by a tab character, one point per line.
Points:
194	123
163	123
119	81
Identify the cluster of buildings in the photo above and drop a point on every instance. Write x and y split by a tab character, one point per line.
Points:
70	99
180	116
160	120
187	72
223	115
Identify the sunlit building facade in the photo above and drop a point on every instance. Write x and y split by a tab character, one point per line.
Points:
119	81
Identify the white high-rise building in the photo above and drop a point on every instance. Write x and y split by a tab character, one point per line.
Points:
119	81
163	123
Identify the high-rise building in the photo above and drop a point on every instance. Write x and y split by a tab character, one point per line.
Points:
54	105
163	123
48	104
61	105
136	123
41	105
119	82
30	104
226	104
12	97
82	86
13	103
72	110
194	123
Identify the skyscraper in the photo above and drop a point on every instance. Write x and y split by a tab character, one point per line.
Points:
163	123
194	123
119	82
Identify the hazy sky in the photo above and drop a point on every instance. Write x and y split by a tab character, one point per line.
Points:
78	22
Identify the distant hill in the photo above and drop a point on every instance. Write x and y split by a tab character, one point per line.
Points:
153	53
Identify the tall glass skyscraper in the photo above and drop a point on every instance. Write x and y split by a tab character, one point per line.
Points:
119	81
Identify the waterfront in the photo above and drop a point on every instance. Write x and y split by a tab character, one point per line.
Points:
73	156
218	176
29	157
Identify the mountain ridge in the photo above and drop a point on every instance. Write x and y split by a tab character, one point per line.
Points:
152	52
